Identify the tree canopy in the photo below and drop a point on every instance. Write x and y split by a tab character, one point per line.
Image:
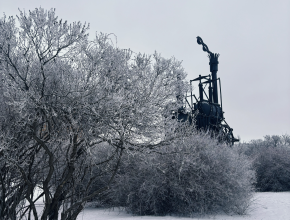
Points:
66	98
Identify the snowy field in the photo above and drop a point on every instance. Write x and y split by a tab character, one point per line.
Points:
266	206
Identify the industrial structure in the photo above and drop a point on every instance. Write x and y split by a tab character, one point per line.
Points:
206	111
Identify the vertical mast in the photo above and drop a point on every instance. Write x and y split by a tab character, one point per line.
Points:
213	69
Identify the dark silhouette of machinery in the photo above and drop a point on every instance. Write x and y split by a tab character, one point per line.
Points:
207	112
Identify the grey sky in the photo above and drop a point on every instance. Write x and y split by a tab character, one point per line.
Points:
251	36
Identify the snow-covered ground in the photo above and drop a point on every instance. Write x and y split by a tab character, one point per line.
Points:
266	206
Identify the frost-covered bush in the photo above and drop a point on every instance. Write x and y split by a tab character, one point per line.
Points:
272	166
271	158
194	176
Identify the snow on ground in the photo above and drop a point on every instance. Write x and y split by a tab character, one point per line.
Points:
265	206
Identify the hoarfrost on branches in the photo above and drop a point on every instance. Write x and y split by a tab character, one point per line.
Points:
67	98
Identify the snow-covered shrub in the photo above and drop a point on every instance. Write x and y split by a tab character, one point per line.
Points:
272	166
194	176
271	158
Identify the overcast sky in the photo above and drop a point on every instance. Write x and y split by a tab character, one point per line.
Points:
251	36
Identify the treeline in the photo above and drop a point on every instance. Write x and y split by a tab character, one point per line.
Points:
271	162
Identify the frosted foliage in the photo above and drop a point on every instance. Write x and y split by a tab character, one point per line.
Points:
271	162
193	176
68	99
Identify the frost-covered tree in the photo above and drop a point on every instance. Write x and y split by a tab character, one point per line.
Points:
67	99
